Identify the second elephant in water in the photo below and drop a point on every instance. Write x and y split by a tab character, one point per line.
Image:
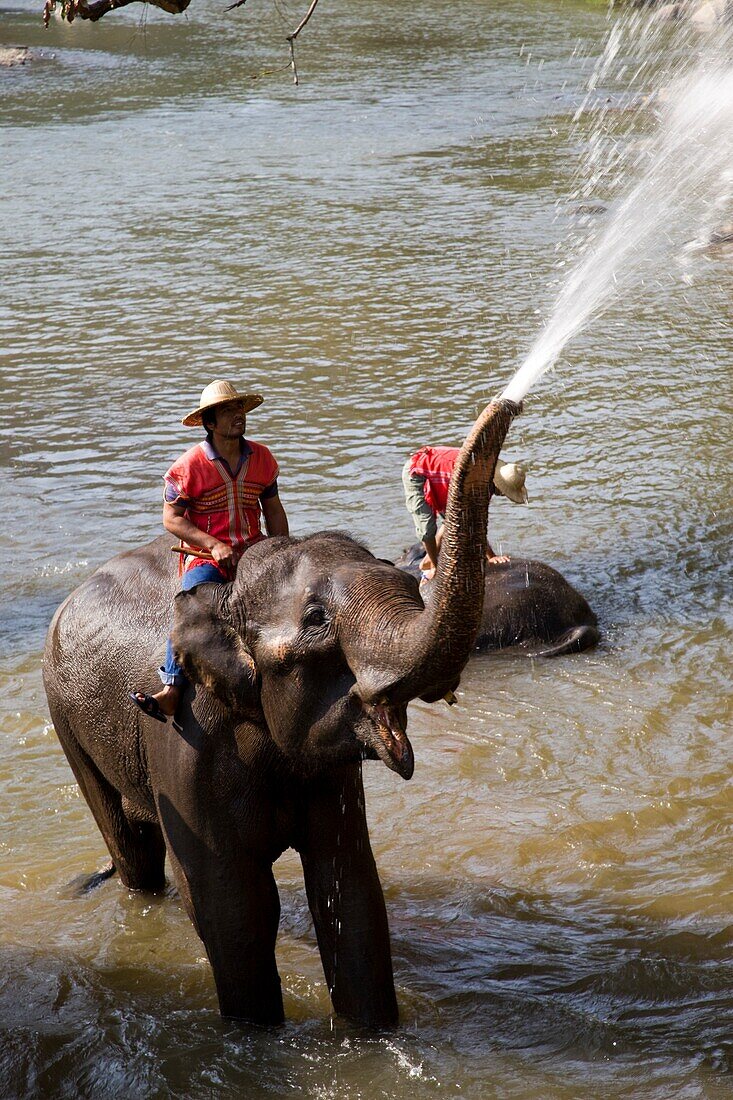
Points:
526	603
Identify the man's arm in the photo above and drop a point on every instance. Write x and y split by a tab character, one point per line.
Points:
176	521
276	521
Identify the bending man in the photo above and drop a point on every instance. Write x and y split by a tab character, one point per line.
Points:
426	477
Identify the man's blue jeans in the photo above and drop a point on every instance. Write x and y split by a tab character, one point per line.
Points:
206	573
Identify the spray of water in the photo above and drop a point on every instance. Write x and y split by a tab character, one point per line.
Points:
672	191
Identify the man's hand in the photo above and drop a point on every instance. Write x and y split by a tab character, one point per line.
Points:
175	521
224	556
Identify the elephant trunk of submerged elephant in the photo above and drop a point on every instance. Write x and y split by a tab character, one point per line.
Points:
430	651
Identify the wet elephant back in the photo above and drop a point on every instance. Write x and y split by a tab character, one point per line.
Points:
527	601
107	638
123	605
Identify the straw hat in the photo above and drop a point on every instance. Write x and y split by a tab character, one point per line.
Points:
509	480
220	393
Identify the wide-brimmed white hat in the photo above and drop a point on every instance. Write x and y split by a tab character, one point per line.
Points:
509	480
220	393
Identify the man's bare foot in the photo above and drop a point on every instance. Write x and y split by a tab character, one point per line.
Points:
167	699
160	706
497	559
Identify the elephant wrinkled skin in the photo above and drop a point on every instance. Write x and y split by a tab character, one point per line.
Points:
299	669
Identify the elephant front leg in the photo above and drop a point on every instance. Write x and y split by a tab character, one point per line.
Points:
233	902
347	904
239	929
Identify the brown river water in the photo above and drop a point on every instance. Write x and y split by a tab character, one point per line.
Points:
374	251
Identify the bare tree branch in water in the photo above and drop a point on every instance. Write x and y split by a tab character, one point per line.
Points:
291	38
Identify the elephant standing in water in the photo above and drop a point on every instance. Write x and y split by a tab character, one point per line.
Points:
527	604
299	669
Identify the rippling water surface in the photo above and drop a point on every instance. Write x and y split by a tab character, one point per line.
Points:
373	251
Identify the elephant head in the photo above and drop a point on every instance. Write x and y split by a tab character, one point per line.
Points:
329	644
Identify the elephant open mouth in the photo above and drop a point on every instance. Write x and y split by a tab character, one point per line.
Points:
388	738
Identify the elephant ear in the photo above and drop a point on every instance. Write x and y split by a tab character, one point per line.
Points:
210	649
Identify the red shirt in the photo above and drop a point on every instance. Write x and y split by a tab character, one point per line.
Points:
223	503
435	464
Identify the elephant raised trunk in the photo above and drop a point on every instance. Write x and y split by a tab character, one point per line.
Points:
429	650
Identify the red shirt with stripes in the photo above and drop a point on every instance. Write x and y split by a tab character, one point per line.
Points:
223	503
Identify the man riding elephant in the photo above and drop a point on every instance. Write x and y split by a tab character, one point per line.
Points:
214	496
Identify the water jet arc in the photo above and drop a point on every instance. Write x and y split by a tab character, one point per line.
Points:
684	181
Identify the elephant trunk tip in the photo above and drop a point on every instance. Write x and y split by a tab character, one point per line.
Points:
513	408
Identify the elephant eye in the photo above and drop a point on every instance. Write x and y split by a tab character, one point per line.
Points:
314	616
